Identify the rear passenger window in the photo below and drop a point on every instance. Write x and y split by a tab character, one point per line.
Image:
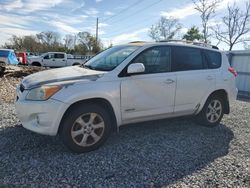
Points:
59	56
186	58
213	59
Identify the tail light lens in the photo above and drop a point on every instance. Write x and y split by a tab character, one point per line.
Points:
233	71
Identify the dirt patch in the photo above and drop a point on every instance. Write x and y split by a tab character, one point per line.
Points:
18	71
10	77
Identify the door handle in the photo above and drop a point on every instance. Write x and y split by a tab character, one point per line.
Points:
169	81
210	77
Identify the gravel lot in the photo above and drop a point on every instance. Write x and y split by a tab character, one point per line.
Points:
171	153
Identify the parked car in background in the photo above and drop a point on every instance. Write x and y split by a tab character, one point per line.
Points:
8	56
84	57
127	84
55	59
22	58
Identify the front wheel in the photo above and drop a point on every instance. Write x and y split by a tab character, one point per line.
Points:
212	112
85	127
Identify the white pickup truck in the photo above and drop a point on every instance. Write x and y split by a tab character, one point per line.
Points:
55	59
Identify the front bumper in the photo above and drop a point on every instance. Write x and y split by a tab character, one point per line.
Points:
42	117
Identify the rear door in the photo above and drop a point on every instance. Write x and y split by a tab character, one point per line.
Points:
194	79
59	60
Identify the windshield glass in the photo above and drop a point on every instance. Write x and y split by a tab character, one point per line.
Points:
110	58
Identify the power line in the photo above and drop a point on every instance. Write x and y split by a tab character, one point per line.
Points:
124	10
140	10
117	32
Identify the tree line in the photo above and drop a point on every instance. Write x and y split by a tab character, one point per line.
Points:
82	43
230	29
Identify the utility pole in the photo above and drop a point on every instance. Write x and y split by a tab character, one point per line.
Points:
96	36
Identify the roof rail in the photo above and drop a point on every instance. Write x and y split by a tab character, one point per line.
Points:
137	42
192	42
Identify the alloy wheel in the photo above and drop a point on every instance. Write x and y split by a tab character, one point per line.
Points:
214	111
88	129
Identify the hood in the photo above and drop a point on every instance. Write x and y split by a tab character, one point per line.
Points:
60	75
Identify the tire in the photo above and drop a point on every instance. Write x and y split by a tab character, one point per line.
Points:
76	64
212	112
85	127
2	69
36	64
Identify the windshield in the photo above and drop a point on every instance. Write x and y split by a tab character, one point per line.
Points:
43	54
110	58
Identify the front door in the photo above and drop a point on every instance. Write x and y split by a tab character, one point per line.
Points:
153	92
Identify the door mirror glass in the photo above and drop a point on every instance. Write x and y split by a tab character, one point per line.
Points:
135	68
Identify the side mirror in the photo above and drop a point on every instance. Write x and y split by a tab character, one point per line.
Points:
136	68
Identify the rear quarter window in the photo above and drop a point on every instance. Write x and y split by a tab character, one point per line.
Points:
213	59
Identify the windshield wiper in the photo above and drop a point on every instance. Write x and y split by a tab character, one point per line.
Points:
88	67
96	68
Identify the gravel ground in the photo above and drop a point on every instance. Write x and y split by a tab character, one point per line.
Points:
166	153
8	89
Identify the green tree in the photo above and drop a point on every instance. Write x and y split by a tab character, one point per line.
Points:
193	34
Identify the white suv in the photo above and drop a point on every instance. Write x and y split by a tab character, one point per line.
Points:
126	84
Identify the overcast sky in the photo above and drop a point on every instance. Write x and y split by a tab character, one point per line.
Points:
119	23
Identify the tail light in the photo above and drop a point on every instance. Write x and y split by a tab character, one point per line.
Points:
233	71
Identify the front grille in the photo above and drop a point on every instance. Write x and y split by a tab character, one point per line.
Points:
22	88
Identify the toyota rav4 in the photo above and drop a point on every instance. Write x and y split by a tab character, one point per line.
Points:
126	84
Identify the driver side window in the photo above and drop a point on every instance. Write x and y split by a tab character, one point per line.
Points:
49	56
155	60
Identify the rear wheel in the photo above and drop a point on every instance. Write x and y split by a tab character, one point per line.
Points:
212	112
2	68
85	128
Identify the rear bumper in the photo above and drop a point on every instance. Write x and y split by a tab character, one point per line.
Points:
42	117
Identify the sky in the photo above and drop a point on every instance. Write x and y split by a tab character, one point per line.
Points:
119	21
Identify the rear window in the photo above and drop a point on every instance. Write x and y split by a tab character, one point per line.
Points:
186	58
213	59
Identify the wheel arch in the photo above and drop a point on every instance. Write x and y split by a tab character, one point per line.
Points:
99	101
36	63
222	93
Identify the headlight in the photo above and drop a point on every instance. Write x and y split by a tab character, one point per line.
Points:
42	93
